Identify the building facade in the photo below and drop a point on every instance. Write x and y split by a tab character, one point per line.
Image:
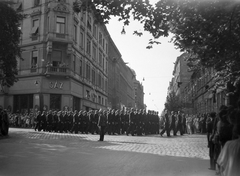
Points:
121	93
139	95
196	89
64	61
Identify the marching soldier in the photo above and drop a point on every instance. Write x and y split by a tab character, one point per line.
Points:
131	128
49	119
43	121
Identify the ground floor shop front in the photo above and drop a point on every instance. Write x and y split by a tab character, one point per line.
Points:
41	93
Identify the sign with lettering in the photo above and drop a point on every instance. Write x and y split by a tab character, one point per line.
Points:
56	85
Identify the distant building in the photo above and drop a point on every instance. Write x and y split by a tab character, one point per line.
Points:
121	80
196	89
139	95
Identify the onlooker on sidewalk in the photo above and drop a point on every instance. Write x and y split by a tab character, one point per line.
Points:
229	158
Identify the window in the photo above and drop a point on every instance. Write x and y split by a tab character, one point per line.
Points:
34	61
19	7
88	46
35	26
100	38
22	103
103	62
55	101
36	2
81	67
106	66
60	25
56	58
87	94
75	33
106	85
95	31
88	71
106	49
94	52
100	59
48	22
74	63
102	82
81	39
103	44
99	99
93	76
89	23
76	103
99	80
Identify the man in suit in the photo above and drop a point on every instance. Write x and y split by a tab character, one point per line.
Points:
102	123
166	124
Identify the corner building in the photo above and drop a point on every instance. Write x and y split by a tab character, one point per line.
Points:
65	59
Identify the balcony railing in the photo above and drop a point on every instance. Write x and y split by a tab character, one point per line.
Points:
51	70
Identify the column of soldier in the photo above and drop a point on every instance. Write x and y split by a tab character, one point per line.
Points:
134	122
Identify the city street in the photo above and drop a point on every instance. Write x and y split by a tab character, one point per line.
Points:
26	152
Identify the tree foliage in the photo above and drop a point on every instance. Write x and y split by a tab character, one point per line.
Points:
173	102
206	29
9	44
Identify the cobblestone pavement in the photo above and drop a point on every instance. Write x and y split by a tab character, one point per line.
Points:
190	146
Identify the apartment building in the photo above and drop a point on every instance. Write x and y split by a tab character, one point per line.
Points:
121	92
64	63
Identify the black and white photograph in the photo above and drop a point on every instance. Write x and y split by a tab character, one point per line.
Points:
119	87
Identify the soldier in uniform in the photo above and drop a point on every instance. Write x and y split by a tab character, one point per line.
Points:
131	128
55	121
38	124
111	122
75	121
43	121
91	119
80	121
49	119
85	121
60	121
95	121
117	122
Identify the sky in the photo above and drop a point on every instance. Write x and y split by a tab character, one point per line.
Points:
153	67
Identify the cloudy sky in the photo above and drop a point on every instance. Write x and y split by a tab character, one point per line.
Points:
153	67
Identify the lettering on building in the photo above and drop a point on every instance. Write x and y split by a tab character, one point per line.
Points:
56	85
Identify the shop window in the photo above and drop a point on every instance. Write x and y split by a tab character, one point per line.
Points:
76	103
22	103
55	101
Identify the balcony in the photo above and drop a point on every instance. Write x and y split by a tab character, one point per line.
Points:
58	71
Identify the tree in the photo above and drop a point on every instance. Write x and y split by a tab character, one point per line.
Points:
173	102
9	44
208	29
